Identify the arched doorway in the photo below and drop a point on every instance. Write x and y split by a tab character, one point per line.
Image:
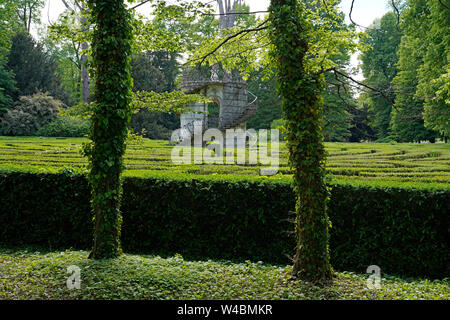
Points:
213	115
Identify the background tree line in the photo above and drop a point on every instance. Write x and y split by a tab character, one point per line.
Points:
408	63
410	72
47	74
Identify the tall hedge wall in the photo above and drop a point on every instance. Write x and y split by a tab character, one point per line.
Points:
404	231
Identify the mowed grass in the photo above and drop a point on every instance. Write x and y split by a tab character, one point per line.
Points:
34	275
421	164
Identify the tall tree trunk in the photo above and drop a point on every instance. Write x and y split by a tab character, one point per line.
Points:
302	108
84	46
226	21
84	70
226	10
84	77
29	19
111	48
24	19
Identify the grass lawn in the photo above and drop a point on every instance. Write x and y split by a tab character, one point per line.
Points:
43	275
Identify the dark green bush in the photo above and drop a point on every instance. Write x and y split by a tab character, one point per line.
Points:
404	231
29	114
65	126
155	125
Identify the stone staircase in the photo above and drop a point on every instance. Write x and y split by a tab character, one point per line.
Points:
248	111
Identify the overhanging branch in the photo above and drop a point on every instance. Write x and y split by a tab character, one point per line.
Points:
241	32
340	73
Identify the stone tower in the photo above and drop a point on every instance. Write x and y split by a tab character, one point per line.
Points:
236	103
228	90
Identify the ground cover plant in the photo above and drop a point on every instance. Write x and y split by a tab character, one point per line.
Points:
30	274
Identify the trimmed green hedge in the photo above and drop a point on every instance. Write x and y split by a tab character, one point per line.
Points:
404	231
65	126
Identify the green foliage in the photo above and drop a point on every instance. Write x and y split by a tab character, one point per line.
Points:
434	20
65	126
407	117
72	33
8	25
154	125
403	230
269	104
29	114
154	71
63	216
28	12
169	27
249	49
443	94
337	115
175	101
379	68
38	276
33	67
337	94
164	102
73	26
68	69
411	228
361	129
337	100
7	88
280	125
243	52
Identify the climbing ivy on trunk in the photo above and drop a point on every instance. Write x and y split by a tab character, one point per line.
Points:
302	106
111	47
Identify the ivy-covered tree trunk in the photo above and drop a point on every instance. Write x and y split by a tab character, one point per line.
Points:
302	104
111	47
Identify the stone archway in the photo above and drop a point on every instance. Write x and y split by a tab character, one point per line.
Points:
214	110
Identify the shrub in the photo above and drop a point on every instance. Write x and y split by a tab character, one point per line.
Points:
386	140
279	124
156	125
402	230
29	114
65	126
